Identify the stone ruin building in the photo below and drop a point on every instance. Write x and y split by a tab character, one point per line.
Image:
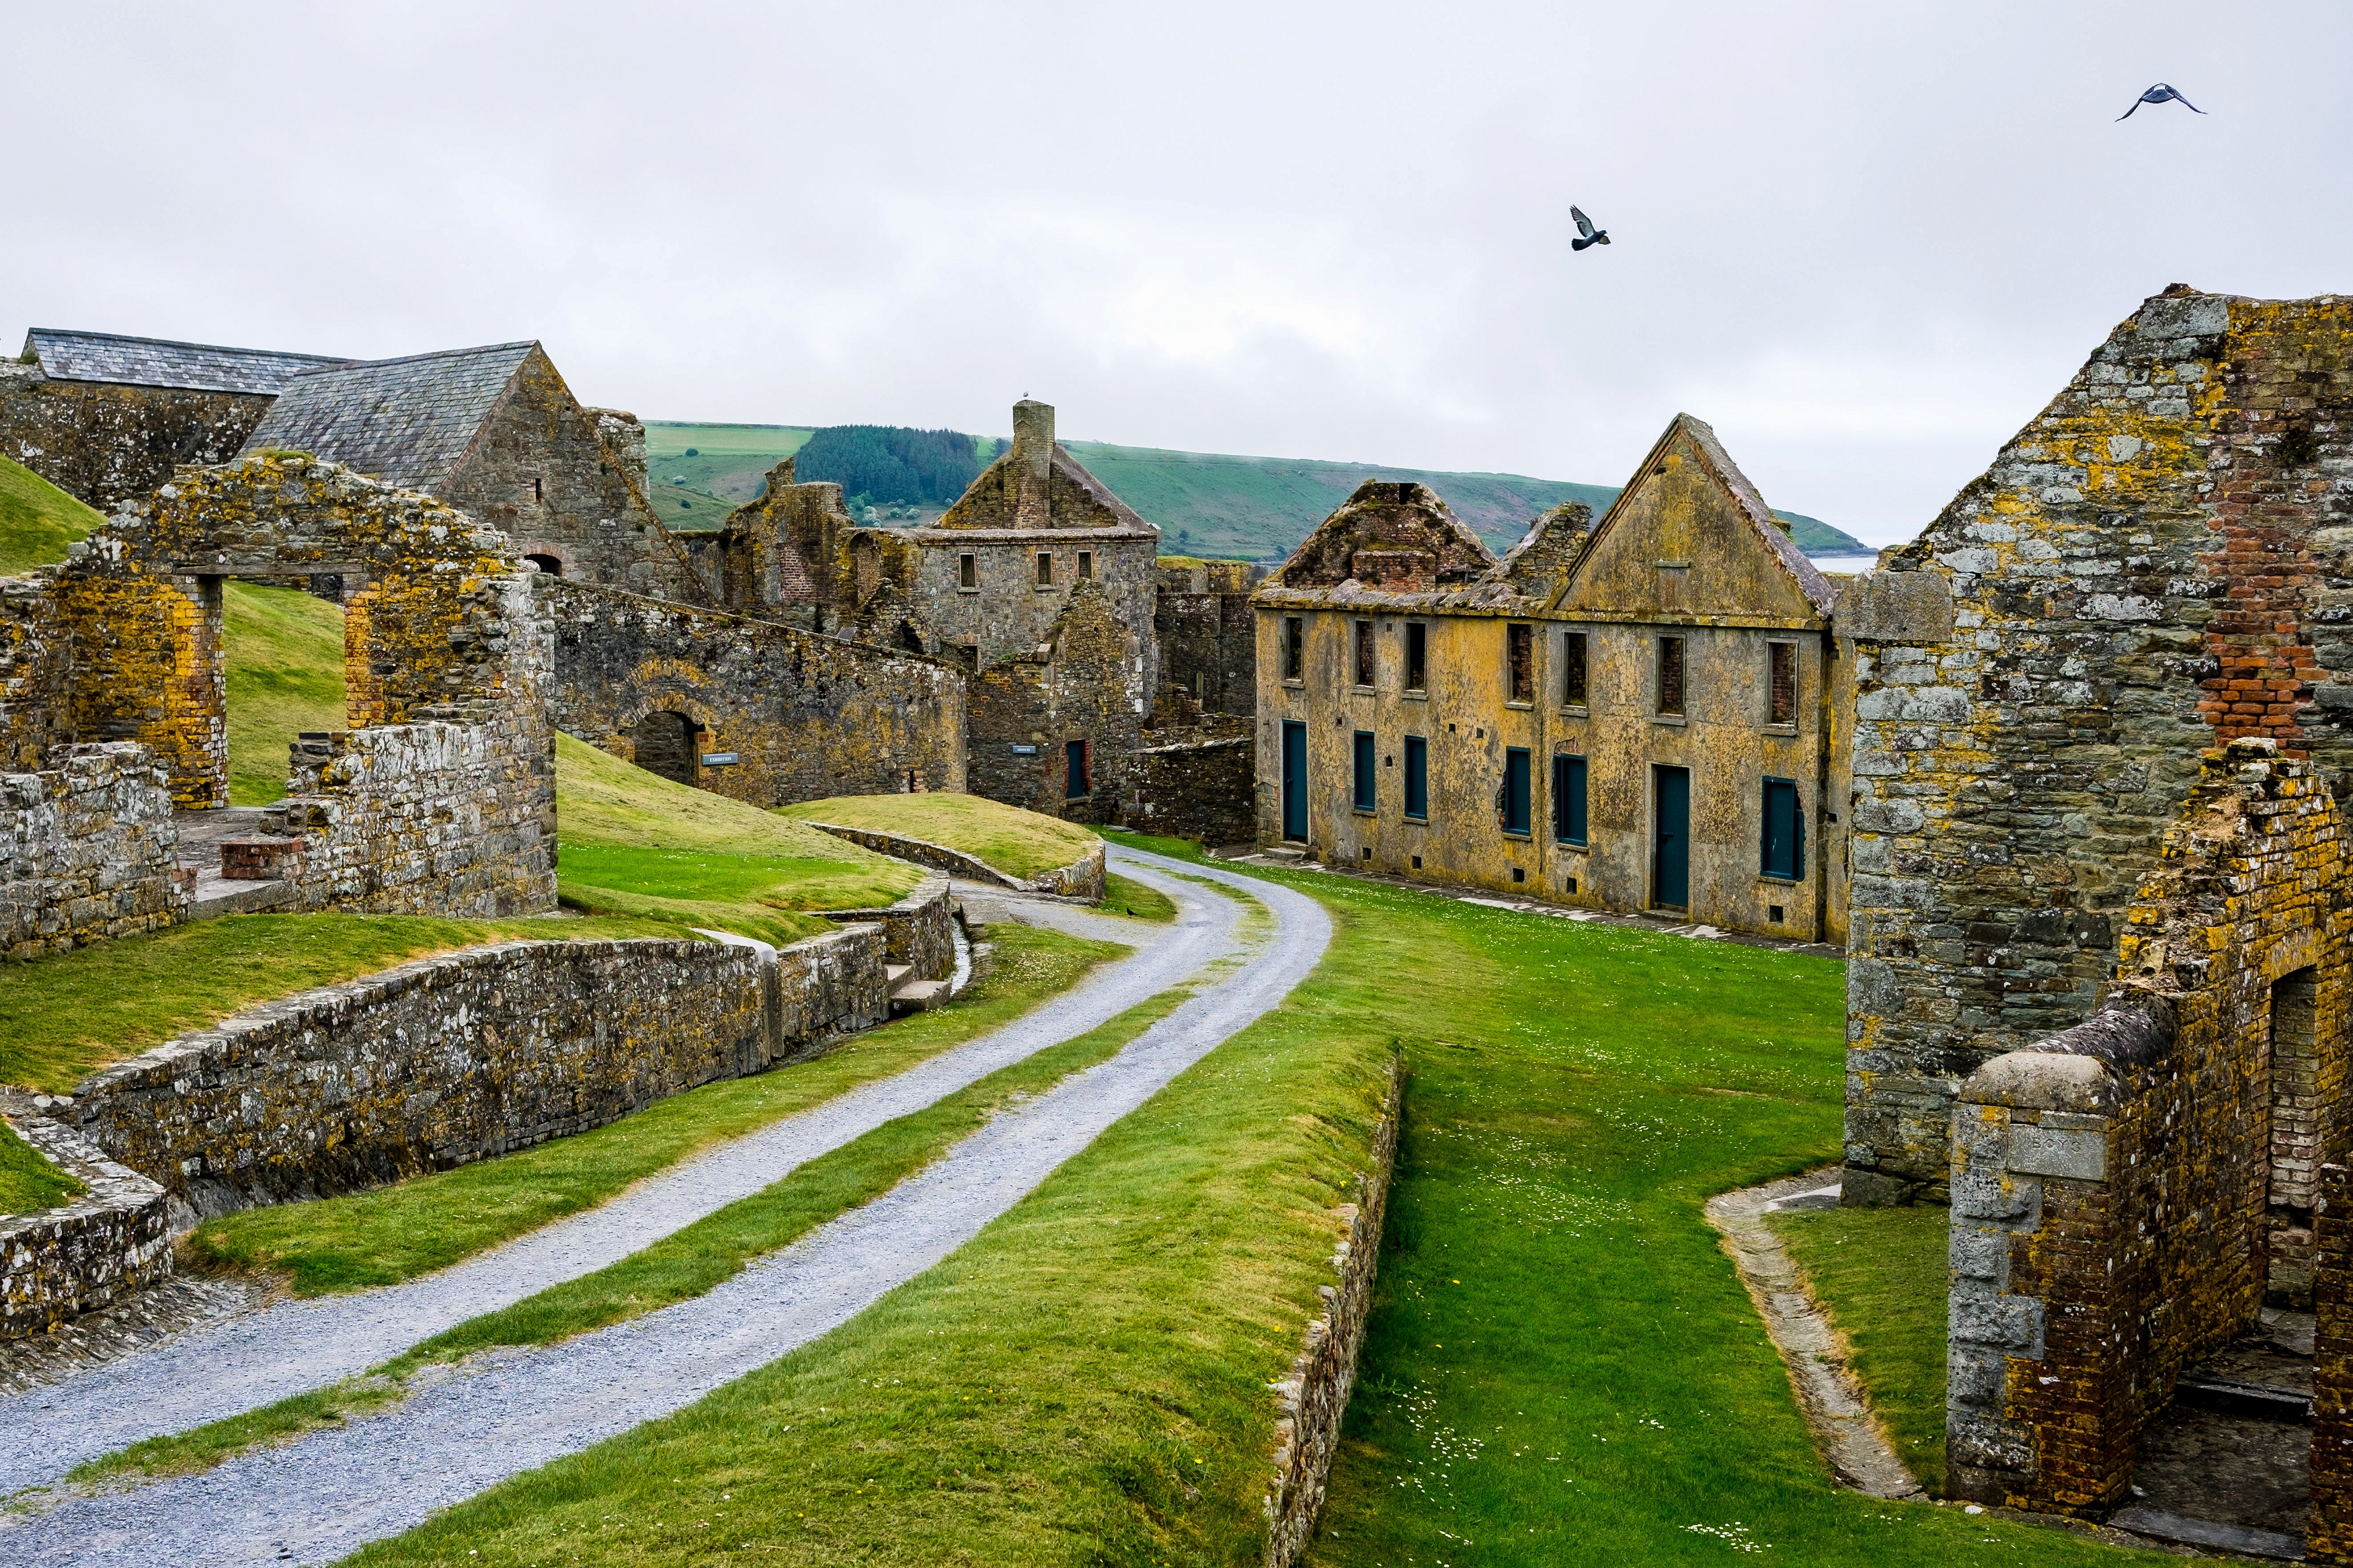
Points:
1635	714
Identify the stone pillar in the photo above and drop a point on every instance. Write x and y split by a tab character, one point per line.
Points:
2329	1527
1033	463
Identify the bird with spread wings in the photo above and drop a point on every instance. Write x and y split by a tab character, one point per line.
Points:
2162	92
1587	232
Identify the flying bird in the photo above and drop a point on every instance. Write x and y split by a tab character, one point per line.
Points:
2163	92
1589	234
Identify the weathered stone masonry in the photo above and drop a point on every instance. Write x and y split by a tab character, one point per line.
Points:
99	1249
85	851
2162	560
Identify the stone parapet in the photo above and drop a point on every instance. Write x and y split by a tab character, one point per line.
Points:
99	1249
86	850
1082	878
919	930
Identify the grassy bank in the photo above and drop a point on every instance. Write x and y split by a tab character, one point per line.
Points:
1017	842
64	1018
1881	1274
37	519
413	1227
1126	895
637	844
29	1184
284	653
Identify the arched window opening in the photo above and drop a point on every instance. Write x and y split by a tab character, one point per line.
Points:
547	564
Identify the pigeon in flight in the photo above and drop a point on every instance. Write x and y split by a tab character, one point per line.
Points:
1589	234
2163	92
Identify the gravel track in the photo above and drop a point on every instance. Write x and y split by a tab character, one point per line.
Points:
293	1346
504	1413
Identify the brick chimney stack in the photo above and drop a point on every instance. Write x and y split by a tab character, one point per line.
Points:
1033	462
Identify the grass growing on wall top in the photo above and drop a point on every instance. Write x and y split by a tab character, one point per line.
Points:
1017	842
62	1018
37	519
284	650
412	1227
29	1184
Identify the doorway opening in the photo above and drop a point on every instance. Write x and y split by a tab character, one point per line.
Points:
2294	1153
665	744
284	652
1670	837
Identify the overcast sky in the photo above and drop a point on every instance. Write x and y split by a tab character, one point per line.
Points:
1866	242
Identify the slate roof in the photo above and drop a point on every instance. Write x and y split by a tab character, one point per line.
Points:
406	421
154	362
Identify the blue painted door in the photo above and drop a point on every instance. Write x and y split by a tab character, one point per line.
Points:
1671	857
1294	780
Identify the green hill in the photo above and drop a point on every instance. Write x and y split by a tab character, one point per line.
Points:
37	519
1207	503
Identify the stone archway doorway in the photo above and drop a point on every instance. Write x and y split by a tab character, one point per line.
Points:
665	743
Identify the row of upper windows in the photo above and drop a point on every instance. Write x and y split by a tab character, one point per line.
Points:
968	570
1783	852
1519	662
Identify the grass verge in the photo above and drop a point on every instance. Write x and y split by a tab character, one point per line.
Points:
1017	842
413	1227
686	1264
284	653
1882	1275
1126	895
64	1018
37	519
29	1184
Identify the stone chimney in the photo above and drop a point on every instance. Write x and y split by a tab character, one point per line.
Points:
1033	463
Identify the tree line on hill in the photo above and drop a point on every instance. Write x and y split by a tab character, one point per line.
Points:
890	465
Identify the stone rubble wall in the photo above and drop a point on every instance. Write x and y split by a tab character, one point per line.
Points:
1314	1398
2121	1207
105	445
919	930
1204	790
99	1249
36	673
452	1059
1082	878
86	850
2328	1526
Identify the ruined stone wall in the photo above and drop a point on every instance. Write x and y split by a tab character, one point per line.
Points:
2158	562
1008	614
106	444
36	673
919	930
1090	685
452	1059
85	851
2127	1194
96	1250
1208	633
807	716
1202	790
1082	878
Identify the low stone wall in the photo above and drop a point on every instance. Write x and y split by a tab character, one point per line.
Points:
449	1059
1203	790
104	1247
919	930
1316	1395
86	850
1082	878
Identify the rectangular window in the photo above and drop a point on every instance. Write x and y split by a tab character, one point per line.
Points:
967	573
1086	566
1785	831
1045	568
1519	648
1572	670
1417	645
1516	790
1782	673
1416	778
1568	799
1077	776
1671	675
1367	776
1295	647
1363	653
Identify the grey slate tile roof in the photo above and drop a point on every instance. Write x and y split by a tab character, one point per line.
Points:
406	421
153	361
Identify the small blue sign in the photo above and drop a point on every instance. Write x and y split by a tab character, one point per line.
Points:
1025	750
718	759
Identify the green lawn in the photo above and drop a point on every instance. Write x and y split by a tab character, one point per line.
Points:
284	650
62	1018
1882	1275
29	1184
37	519
730	464
412	1227
1126	895
1017	842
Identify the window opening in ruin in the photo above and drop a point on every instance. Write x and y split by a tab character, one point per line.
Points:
547	564
968	654
1363	653
538	491
968	572
1086	566
2294	1138
665	744
1078	778
1670	837
1519	874
1045	568
1416	862
1417	645
1417	779
1783	683
1294	780
283	647
1511	802
1773	912
1295	647
1367	773
1785	831
1519	644
1671	675
1568	799
1572	670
